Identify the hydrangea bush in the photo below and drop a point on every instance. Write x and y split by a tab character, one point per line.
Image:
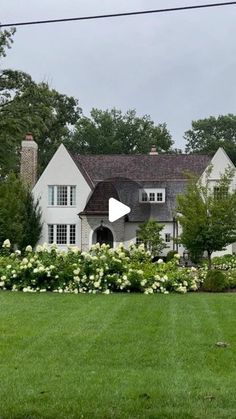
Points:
100	270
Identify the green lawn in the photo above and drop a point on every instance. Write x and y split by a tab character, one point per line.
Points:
117	356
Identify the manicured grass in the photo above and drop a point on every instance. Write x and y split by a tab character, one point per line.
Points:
117	356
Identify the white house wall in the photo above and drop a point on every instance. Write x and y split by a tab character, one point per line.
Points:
220	162
61	170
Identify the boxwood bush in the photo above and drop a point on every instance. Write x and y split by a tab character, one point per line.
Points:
215	281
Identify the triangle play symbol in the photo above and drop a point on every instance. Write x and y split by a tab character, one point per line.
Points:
117	210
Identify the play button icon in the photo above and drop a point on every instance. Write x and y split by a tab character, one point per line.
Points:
117	210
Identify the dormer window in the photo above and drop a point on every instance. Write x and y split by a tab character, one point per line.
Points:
152	195
144	197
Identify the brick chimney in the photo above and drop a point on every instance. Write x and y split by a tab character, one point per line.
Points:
29	158
153	151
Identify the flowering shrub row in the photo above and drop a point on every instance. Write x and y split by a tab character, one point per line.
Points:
101	270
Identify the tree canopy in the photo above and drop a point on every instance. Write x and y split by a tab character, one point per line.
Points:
208	134
20	216
149	233
207	215
29	106
112	132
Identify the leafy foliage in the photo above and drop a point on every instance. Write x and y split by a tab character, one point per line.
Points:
208	222
20	217
28	106
149	233
111	132
101	270
6	40
215	281
208	134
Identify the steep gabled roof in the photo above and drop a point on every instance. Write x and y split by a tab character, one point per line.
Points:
98	202
141	167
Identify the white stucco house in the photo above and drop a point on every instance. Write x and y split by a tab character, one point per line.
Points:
74	191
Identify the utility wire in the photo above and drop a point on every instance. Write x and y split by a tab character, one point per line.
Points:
114	15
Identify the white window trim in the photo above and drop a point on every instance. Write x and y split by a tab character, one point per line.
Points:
155	191
55	196
67	234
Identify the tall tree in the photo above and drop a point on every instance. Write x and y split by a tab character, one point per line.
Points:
29	106
207	135
20	217
207	216
111	132
149	233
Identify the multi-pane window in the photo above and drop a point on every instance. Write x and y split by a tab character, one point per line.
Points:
144	197
220	192
62	233
152	195
138	240
167	237
72	195
72	234
61	195
50	233
51	200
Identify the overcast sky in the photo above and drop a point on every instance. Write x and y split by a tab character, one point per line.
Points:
176	67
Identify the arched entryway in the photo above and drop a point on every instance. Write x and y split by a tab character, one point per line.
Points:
103	235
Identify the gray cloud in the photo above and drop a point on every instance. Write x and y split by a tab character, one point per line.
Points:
176	67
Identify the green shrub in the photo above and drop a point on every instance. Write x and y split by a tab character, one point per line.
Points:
231	275
216	281
170	255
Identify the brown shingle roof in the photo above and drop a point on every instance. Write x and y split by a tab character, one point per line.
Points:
98	201
141	167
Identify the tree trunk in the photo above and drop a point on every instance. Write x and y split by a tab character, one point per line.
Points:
209	259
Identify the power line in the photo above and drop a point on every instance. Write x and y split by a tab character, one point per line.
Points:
114	15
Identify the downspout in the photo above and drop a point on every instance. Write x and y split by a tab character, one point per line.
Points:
177	236
173	233
80	233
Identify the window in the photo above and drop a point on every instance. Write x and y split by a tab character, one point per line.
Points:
220	192
167	237
61	195
72	195
152	195
51	195
138	240
159	197
50	233
144	197
72	234
62	233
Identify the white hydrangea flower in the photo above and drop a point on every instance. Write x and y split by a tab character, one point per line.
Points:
28	248
177	255
6	244
39	249
160	261
106	292
76	271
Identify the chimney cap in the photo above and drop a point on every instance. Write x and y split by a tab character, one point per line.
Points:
29	136
153	151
